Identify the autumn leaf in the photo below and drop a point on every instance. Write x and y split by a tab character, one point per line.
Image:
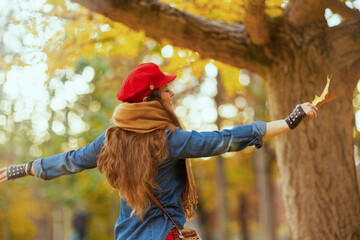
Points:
325	96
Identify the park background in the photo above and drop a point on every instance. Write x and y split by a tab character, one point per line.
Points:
60	68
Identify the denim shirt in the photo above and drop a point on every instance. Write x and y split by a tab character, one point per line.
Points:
170	178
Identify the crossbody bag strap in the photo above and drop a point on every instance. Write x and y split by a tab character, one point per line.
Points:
163	209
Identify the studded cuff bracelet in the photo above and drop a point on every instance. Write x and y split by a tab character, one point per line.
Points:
18	171
294	119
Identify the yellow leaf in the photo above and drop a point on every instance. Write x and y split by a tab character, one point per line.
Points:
316	100
325	96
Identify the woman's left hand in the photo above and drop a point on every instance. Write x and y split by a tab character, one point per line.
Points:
309	109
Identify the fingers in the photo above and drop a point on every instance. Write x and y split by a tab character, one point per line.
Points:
312	113
310	110
3	175
309	105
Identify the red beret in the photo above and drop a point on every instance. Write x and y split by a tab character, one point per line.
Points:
141	81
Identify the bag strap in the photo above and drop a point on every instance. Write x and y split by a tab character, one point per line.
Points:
163	209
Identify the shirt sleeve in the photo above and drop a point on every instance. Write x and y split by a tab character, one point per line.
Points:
184	144
70	162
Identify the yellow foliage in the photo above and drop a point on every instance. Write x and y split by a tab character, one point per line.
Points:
230	78
204	173
55	2
87	33
24	209
273	8
223	10
226	11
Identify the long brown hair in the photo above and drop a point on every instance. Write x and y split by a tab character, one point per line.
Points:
130	160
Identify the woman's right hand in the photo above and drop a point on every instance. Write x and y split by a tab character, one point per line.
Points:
3	174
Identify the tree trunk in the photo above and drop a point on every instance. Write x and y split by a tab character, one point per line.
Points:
205	220
221	232
316	160
243	217
5	225
265	193
57	219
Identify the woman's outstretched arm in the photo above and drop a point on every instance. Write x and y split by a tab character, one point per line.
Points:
278	127
185	144
66	163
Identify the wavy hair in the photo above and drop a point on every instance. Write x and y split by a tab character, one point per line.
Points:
130	160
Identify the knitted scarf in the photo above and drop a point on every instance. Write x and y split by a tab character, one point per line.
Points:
146	117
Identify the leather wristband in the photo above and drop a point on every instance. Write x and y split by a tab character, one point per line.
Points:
294	119
28	168
18	171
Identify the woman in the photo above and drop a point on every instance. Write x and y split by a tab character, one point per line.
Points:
145	152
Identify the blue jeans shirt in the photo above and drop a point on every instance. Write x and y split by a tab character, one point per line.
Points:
170	178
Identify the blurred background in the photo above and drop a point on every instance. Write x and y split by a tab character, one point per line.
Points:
60	69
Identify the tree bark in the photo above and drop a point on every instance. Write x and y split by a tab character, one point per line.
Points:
343	50
257	23
317	168
344	11
299	13
316	160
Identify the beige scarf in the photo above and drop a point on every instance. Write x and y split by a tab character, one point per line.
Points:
145	117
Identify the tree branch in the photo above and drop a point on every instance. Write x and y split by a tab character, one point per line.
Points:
256	22
344	11
304	12
211	39
344	46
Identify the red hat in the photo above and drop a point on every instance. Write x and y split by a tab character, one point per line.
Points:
141	81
